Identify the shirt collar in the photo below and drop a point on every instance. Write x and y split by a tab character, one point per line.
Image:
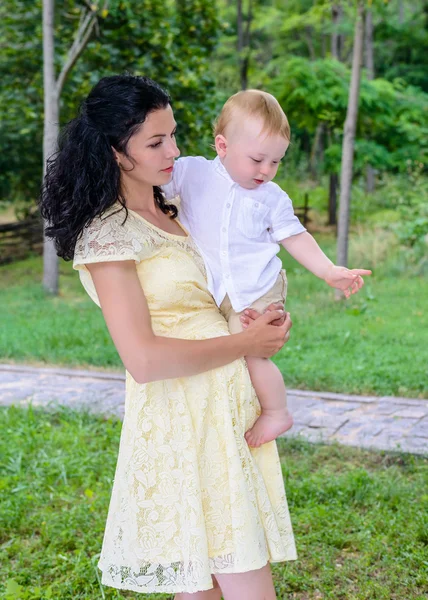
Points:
221	170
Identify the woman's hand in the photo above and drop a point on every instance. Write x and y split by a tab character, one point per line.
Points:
265	340
150	357
250	315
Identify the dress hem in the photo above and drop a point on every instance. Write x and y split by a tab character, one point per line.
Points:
198	588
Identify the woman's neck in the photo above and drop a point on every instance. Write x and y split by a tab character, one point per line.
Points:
139	196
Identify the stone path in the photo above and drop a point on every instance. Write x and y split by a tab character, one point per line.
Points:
386	423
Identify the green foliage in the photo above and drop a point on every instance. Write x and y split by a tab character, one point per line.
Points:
312	91
394	117
21	99
392	126
398	205
176	44
412	228
190	46
291	57
360	518
169	41
401	42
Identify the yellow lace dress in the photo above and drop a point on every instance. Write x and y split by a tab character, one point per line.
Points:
189	498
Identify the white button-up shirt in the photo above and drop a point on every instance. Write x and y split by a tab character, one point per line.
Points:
237	230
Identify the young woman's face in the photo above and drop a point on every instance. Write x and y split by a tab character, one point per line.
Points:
152	150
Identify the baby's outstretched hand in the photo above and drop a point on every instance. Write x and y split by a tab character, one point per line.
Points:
350	281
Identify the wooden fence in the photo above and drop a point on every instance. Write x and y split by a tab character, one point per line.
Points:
18	240
303	211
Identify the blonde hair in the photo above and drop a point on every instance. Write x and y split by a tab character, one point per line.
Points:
254	103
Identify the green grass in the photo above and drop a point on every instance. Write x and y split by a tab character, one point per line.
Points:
372	344
360	518
64	330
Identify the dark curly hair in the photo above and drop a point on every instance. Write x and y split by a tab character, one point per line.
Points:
83	179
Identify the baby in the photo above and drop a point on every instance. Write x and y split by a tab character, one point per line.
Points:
238	218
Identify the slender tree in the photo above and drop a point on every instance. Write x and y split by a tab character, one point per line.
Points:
52	93
316	150
369	64
349	141
401	11
336	38
244	41
335	47
332	199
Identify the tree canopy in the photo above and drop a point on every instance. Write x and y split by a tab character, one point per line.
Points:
203	50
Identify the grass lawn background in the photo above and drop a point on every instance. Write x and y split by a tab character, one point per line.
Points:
360	518
375	343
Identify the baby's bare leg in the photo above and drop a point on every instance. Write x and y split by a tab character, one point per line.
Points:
214	594
252	585
269	385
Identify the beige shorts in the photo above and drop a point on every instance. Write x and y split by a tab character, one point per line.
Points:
277	293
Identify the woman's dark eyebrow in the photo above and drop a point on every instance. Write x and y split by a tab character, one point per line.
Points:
162	134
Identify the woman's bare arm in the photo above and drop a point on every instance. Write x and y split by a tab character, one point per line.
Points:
149	357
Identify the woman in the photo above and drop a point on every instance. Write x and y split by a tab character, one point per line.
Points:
193	511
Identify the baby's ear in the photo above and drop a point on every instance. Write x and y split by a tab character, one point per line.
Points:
221	145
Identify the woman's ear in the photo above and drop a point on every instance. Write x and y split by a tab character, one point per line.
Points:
115	154
116	157
221	145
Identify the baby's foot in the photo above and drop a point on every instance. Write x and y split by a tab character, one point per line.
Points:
268	427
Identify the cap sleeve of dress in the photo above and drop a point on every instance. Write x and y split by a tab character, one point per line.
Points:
111	237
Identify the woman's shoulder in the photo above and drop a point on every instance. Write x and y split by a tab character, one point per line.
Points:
114	217
113	235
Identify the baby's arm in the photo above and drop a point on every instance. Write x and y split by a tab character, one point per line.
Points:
173	188
287	230
186	170
306	251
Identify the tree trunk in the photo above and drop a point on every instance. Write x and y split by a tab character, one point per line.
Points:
309	36
368	34
400	12
370	179
324	44
244	43
348	142
52	88
369	64
336	38
240	31
50	134
239	27
316	148
332	199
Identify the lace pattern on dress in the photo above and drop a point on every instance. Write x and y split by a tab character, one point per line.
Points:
189	497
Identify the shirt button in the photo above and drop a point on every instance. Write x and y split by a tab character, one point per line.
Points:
228	205
224	253
223	229
257	205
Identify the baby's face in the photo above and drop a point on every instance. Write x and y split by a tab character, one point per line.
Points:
250	157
